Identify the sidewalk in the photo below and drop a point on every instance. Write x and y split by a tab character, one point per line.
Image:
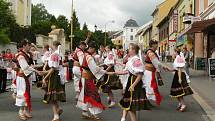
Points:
204	86
204	91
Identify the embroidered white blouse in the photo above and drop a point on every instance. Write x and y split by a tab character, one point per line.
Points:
135	65
54	60
110	59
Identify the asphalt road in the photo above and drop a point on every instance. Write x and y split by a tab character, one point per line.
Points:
166	112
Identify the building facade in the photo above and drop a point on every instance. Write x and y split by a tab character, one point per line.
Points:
143	35
155	31
173	29
129	30
204	31
117	38
160	30
22	11
185	9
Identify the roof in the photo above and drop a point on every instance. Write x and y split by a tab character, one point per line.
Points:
131	23
117	33
144	27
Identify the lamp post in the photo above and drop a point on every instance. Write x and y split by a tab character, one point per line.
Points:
95	28
71	36
112	21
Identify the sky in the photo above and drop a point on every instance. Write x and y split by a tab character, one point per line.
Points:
101	12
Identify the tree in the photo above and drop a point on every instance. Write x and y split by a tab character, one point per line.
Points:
62	22
7	21
39	13
78	34
42	27
76	24
7	18
4	39
41	20
53	20
85	28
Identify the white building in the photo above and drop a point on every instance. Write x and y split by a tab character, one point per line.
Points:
129	32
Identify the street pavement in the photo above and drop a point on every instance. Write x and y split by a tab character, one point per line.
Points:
166	112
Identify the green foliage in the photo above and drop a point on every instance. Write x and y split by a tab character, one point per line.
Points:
85	28
42	22
39	13
62	22
76	24
6	17
4	39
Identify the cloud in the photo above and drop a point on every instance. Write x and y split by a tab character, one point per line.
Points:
99	12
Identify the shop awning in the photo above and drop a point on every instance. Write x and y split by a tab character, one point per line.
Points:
200	26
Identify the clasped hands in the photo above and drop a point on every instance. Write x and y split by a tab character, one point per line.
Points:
114	73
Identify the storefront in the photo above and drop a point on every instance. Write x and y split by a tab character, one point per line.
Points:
204	41
185	40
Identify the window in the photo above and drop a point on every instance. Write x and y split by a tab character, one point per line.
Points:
201	6
167	32
131	30
191	8
131	37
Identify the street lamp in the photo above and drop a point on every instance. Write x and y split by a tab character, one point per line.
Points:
112	21
95	28
71	36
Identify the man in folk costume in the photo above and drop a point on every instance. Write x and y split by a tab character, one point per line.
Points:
78	59
89	99
153	66
23	98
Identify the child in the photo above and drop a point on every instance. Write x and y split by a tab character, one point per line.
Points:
180	86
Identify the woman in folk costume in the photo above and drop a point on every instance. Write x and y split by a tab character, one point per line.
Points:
89	99
153	66
78	59
180	86
23	85
110	82
54	89
134	98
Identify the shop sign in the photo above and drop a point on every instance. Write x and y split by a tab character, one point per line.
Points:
181	40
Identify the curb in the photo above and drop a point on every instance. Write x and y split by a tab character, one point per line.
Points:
210	112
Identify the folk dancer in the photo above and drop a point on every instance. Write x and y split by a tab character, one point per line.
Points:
134	99
78	59
23	85
153	67
54	89
89	99
180	86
